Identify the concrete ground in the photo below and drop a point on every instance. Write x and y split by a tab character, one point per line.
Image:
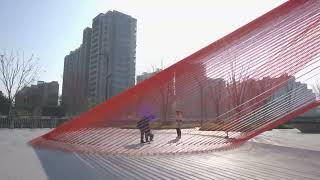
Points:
277	154
115	141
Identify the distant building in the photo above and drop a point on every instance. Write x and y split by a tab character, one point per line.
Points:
36	97
112	55
293	94
103	66
75	76
146	75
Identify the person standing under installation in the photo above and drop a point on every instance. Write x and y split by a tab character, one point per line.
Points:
144	126
178	123
141	125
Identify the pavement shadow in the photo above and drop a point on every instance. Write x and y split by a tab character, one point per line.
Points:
287	162
60	165
134	146
174	141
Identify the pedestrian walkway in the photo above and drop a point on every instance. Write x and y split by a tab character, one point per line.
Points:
117	141
276	154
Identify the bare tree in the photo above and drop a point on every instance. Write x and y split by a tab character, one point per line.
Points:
4	104
217	92
237	87
17	72
202	99
165	94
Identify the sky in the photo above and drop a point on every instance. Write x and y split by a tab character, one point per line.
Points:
167	30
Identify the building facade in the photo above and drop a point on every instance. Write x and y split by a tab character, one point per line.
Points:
36	97
75	76
112	55
146	75
71	77
104	64
292	95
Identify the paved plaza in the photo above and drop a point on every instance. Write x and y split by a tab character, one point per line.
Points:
115	141
276	154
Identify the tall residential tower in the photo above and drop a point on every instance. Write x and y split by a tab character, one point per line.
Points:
75	77
112	55
104	65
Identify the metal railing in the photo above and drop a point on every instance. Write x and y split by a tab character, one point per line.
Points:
31	122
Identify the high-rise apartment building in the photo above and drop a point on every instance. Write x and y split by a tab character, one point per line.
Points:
70	78
85	60
103	66
112	55
75	76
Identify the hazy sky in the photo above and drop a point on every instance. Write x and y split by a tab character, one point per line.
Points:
167	30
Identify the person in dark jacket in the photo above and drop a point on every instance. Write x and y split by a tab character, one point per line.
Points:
141	127
144	126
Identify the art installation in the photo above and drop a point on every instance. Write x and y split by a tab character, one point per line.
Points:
239	86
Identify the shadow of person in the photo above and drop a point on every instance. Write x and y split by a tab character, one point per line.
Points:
174	141
134	146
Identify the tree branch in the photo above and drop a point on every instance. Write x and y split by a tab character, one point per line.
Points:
16	73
